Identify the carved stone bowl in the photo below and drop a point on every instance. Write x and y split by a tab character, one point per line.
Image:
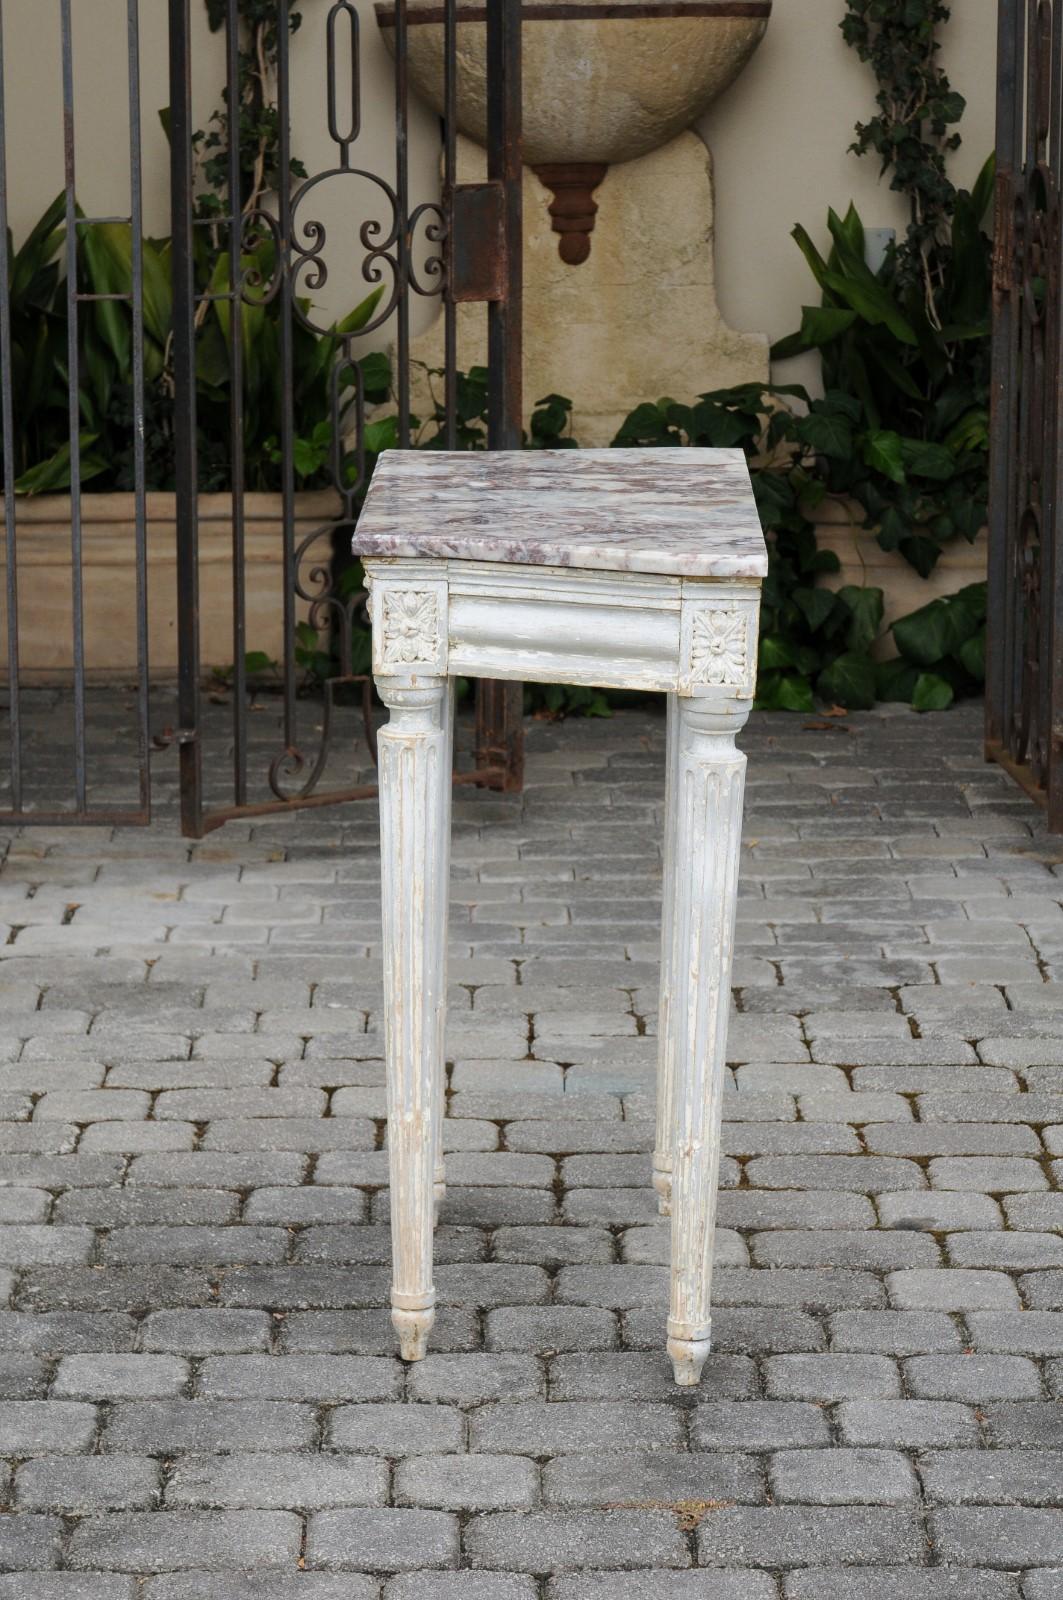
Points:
604	80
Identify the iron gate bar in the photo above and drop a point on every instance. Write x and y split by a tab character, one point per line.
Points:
74	405
504	166
593	13
186	467
500	704
450	184
140	490
390	258
1004	381
7	416
287	428
82	813
1024	680
236	424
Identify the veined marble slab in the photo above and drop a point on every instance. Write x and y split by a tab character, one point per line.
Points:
683	512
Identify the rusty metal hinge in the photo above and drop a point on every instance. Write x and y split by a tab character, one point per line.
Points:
477	259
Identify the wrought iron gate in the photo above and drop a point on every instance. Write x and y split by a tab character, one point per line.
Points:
256	243
1024	676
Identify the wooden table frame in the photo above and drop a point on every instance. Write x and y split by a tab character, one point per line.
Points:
693	639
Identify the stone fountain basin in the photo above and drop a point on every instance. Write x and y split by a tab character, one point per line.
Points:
603	82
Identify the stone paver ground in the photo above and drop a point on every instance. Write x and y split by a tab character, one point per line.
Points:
200	1397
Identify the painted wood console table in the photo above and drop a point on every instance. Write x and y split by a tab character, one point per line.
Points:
626	569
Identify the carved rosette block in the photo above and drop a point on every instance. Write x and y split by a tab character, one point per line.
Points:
409	627
718	647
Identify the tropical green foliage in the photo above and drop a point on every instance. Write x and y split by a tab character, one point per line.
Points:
103	264
915	456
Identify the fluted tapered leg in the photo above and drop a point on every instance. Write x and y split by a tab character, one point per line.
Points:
446	790
414	813
709	779
666	1042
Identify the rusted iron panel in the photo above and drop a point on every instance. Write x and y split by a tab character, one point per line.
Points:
478	242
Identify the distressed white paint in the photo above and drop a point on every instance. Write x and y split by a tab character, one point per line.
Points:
414	810
662	1155
706	799
695	638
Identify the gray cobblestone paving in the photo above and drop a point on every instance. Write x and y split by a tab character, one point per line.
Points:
199	1392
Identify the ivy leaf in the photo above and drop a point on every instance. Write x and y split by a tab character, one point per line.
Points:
949	107
865	611
975	596
795	694
896	679
893	527
775	652
832	435
935	631
921	553
931	693
824	561
767	690
836	400
927	460
849	681
971	656
816	605
376	375
774	497
883	452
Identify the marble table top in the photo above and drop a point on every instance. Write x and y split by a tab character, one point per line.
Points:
683	512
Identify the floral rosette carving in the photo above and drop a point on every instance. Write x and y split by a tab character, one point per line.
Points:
719	647
410	626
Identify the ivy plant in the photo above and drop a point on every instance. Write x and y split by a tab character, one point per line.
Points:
255	114
915	127
815	641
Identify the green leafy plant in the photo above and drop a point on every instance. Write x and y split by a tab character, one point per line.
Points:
941	652
815	641
103	263
549	428
256	117
914	130
916	455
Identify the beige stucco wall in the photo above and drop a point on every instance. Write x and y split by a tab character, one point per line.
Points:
779	136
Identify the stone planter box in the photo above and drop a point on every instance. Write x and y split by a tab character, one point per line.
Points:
863	563
109	570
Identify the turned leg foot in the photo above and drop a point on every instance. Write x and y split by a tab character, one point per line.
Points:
413	1328
688	1359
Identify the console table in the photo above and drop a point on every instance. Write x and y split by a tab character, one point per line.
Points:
625	569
